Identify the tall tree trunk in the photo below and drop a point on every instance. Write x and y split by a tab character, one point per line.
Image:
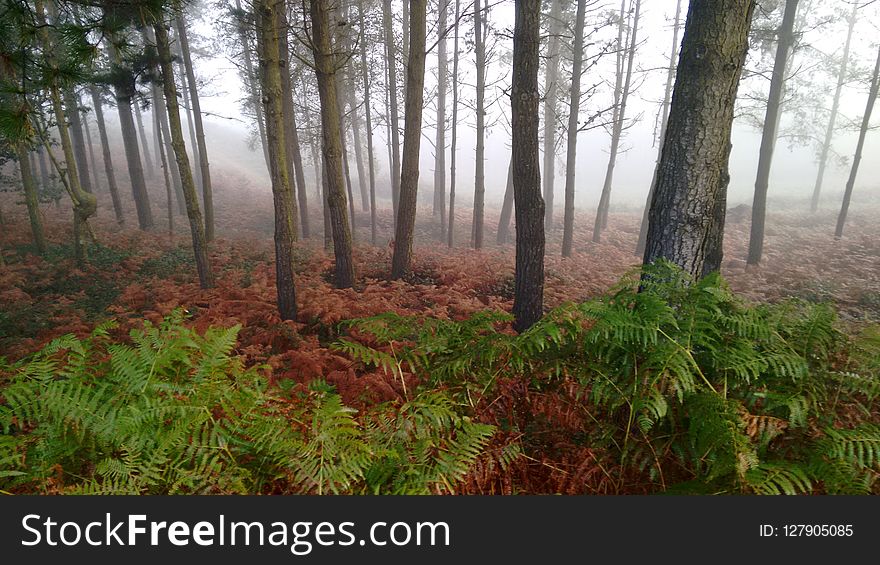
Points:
573	111
528	302
506	209
84	204
835	106
272	32
207	191
347	173
686	223
440	142
368	113
105	150
450	228
670	76
412	136
479	169
358	148
857	158
768	136
92	163
291	136
325	69
185	89
392	97
143	137
31	198
124	92
169	200
71	105
197	228
551	87
605	200
45	180
251	81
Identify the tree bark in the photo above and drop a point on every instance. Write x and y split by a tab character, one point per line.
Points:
479	169
143	137
185	89
440	142
670	76
835	106
551	87
165	176
197	228
368	113
605	200
71	105
291	136
412	136
105	150
93	167
272	32
204	167
392	99
450	228
686	222
768	136
528	302
573	111
251	80
325	69
31	198
503	233
857	158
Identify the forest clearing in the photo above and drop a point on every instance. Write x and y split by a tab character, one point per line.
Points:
337	322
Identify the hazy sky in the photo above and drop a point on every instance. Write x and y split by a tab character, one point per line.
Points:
793	172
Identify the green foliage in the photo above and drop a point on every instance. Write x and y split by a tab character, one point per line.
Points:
170	264
175	412
686	385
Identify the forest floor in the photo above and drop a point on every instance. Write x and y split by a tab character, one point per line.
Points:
133	275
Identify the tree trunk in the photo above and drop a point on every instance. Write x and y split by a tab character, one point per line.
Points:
251	81
670	76
207	191
124	92
528	302
479	168
768	137
412	136
139	120
835	106
573	111
291	136
440	142
325	69
686	222
605	200
506	208
71	106
392	98
45	180
272	32
368	113
450	228
31	198
857	158
185	89
165	176
197	229
105	150
92	163
551	87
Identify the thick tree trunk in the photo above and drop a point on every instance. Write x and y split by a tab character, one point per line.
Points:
325	69
31	198
197	228
251	81
670	76
479	168
573	111
368	114
450	228
835	106
105	151
857	158
391	57
71	106
272	32
686	223
551	87
605	200
142	135
412	136
124	92
506	209
528	302
440	141
768	136
204	167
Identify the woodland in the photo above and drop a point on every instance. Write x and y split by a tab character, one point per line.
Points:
348	291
